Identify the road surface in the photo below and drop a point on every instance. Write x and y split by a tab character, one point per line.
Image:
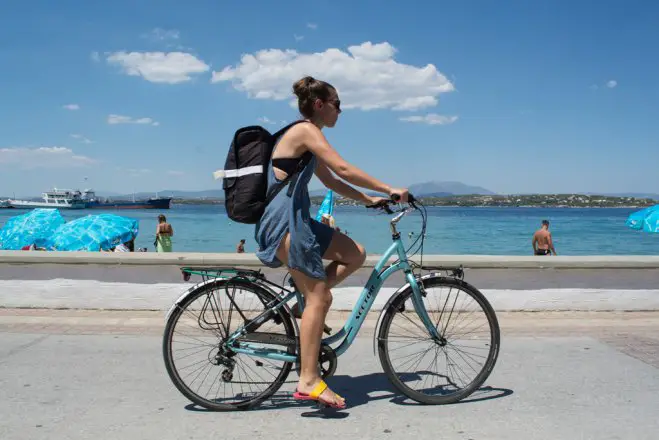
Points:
68	374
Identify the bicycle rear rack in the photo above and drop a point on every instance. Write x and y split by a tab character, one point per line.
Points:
206	273
452	271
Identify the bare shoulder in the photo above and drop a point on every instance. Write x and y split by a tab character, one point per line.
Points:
305	131
298	134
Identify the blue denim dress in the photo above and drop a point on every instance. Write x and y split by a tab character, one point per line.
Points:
309	238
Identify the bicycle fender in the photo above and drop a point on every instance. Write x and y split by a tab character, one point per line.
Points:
393	298
192	288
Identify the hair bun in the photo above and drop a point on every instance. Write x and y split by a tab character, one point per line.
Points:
302	87
308	89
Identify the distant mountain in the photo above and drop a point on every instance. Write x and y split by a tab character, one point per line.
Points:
441	189
437	194
426	189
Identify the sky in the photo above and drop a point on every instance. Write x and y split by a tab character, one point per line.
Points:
516	96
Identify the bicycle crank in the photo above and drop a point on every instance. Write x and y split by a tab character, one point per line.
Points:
327	361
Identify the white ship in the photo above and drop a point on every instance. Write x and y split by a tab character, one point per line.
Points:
57	198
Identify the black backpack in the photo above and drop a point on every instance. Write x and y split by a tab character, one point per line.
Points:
245	173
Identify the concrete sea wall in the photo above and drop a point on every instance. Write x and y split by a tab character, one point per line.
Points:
150	281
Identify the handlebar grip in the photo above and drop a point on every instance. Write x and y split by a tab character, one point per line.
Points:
396	198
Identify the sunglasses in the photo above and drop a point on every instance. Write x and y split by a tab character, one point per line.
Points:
336	103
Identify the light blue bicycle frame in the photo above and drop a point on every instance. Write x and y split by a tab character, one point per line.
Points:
354	323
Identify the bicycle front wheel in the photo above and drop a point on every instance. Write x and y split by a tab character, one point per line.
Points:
449	368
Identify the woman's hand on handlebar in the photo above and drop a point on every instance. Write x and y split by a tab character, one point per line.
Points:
376	200
399	194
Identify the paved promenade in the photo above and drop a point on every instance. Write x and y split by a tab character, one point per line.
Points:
83	374
156	288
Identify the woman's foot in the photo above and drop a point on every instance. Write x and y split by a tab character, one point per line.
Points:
318	390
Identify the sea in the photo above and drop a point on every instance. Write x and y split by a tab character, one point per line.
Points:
449	230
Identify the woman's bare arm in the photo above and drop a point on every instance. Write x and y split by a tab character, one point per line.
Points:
327	178
316	142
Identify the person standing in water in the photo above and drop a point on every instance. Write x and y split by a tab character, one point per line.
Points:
240	247
164	233
542	242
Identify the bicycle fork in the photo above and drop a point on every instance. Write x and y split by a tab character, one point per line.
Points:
419	307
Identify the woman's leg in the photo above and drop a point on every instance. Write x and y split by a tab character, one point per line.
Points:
347	256
317	301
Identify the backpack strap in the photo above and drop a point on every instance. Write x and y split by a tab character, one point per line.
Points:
306	158
278	134
291	179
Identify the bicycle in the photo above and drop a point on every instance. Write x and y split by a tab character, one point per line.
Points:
231	357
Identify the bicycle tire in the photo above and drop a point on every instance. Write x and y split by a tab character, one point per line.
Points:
283	315
383	342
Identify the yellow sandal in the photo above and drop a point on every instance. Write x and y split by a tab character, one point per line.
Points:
315	395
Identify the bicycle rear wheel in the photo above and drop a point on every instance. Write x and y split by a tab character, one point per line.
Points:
469	334
210	374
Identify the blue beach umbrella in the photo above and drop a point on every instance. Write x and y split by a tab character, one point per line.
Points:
646	219
93	233
31	228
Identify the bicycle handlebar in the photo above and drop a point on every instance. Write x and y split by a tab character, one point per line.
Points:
394	200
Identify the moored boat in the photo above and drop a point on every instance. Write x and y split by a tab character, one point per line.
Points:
94	202
57	198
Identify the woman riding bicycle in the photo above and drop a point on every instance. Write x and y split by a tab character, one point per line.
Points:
286	233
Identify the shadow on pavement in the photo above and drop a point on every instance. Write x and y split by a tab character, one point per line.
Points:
357	391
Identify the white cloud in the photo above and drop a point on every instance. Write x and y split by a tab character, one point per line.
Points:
159	67
313	26
265	120
82	138
119	119
71	107
366	76
176	173
431	119
95	56
43	157
612	83
159	34
298	37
